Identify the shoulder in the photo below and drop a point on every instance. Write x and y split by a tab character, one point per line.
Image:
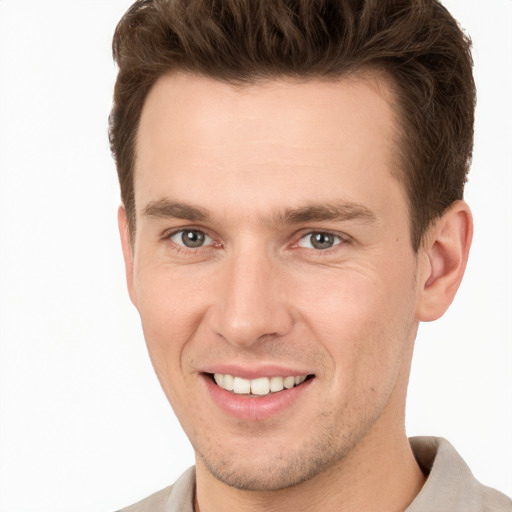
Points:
154	503
450	485
494	501
178	497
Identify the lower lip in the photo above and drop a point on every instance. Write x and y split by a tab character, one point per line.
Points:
255	408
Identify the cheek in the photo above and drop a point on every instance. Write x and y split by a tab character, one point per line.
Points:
170	307
363	319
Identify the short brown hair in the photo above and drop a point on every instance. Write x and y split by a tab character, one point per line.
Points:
416	43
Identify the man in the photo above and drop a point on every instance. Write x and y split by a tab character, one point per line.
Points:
292	179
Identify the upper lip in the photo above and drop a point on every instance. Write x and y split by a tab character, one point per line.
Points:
255	371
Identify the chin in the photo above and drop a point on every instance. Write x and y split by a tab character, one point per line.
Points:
274	472
264	479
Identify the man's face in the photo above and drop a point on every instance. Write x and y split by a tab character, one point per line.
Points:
272	241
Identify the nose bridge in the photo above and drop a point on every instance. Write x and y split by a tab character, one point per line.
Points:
252	303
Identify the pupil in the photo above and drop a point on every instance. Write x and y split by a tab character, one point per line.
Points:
322	240
193	238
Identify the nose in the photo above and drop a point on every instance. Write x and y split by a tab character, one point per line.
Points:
251	301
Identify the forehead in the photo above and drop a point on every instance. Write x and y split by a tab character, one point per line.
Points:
303	110
303	134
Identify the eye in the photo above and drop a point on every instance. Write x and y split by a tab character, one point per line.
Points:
319	240
191	238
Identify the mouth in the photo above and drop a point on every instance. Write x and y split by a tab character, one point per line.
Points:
259	387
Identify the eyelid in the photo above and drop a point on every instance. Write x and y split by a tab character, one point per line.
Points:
168	234
343	239
207	239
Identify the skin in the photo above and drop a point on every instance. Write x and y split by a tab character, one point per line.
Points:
258	293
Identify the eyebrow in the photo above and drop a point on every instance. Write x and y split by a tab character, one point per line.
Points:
343	211
167	209
338	212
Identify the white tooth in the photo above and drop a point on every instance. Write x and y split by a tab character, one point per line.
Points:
289	382
227	382
241	386
276	384
260	386
218	378
302	379
297	380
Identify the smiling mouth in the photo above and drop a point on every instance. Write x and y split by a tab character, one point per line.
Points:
261	386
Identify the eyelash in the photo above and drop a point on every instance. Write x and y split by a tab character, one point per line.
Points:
182	248
343	240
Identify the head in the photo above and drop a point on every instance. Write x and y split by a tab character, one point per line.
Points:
416	44
291	174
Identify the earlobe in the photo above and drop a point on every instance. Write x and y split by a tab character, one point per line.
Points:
445	252
124	232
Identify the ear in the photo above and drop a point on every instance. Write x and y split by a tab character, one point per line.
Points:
126	244
445	254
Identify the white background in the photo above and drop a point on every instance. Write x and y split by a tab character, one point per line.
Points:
84	426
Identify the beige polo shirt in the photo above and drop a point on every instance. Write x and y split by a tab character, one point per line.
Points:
450	486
